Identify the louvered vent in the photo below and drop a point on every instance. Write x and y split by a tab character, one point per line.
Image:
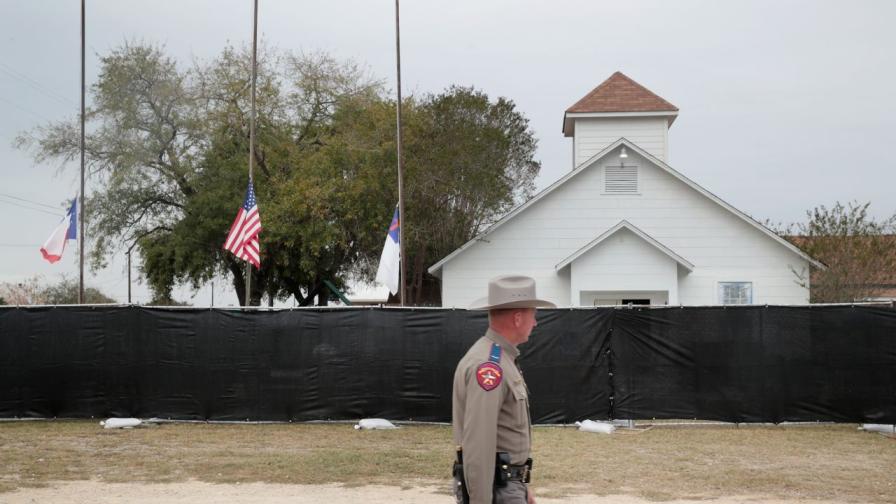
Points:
621	180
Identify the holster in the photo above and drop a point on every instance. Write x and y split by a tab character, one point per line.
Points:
504	472
463	495
502	469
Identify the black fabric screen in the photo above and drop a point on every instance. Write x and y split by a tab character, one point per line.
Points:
756	364
736	364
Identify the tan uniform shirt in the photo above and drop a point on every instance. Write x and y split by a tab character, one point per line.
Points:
488	421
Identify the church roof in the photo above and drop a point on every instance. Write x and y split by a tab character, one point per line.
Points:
436	268
620	93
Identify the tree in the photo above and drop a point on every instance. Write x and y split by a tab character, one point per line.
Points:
66	292
470	160
168	151
145	134
856	248
168	148
32	291
26	292
304	189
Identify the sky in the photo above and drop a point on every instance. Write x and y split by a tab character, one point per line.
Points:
784	105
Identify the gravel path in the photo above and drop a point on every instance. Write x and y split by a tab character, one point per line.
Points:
195	492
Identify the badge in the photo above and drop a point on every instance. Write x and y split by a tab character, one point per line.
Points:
489	375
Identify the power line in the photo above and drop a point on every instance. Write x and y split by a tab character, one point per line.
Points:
34	84
32	209
54	207
16	105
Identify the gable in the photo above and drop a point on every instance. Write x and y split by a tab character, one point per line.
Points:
625	226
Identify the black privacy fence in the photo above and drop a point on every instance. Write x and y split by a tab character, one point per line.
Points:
738	364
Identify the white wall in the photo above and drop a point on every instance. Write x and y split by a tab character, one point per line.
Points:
721	246
624	262
592	135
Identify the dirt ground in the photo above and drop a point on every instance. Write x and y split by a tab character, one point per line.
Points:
79	461
196	492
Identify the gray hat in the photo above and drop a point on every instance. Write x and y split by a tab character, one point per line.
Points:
511	291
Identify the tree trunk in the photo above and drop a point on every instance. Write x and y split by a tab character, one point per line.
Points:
239	282
309	299
259	286
419	273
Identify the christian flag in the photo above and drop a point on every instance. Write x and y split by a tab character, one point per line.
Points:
65	231
242	239
387	274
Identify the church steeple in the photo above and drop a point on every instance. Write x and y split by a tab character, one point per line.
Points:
619	107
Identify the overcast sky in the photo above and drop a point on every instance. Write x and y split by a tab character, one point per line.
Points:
784	105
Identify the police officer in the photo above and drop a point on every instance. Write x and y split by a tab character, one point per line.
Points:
490	413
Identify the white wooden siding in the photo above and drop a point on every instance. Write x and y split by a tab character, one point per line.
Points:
624	262
593	135
721	246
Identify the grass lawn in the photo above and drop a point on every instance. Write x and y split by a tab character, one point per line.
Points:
817	462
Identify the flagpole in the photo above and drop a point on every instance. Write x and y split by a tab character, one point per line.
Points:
81	206
252	138
401	214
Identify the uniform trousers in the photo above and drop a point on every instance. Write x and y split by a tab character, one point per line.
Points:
514	493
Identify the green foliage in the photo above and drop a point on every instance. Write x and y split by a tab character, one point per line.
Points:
166	301
169	148
66	292
856	248
469	161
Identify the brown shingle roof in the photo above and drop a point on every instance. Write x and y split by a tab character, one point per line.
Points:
621	94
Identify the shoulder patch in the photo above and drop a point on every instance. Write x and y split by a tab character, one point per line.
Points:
489	375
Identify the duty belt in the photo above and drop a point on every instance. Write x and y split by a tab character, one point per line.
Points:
516	472
504	471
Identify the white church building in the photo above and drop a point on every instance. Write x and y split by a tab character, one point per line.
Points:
624	227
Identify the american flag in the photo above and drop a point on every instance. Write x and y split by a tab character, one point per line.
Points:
242	239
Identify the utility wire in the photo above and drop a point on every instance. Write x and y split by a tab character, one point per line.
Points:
32	209
34	84
54	207
16	105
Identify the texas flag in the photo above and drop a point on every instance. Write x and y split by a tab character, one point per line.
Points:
387	274
66	230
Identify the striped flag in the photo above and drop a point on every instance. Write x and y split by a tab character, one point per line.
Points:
65	231
242	239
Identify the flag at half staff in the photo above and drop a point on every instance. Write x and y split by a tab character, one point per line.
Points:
65	231
242	239
387	274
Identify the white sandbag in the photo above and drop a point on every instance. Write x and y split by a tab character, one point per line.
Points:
598	427
885	428
120	423
374	423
